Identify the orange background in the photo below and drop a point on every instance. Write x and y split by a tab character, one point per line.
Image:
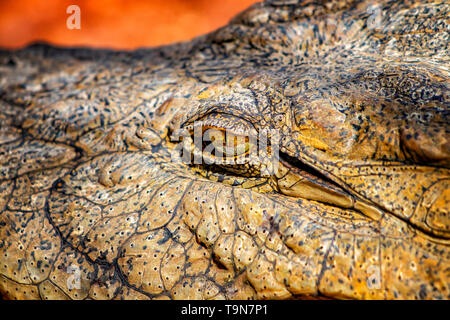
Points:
113	23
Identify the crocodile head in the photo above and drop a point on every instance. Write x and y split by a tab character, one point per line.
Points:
302	150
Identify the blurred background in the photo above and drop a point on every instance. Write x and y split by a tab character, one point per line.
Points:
118	24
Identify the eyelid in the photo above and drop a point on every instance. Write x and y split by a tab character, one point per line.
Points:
223	121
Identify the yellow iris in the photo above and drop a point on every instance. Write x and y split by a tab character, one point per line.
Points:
227	143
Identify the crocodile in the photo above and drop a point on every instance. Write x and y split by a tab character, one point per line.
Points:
105	192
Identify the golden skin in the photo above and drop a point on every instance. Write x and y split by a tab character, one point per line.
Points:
358	207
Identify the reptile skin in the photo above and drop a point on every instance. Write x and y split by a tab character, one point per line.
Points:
93	204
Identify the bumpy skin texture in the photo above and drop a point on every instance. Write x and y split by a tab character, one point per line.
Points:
358	209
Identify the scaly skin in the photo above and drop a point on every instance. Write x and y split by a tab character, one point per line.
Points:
359	207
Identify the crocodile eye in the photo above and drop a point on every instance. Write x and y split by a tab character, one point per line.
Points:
222	138
226	148
225	143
